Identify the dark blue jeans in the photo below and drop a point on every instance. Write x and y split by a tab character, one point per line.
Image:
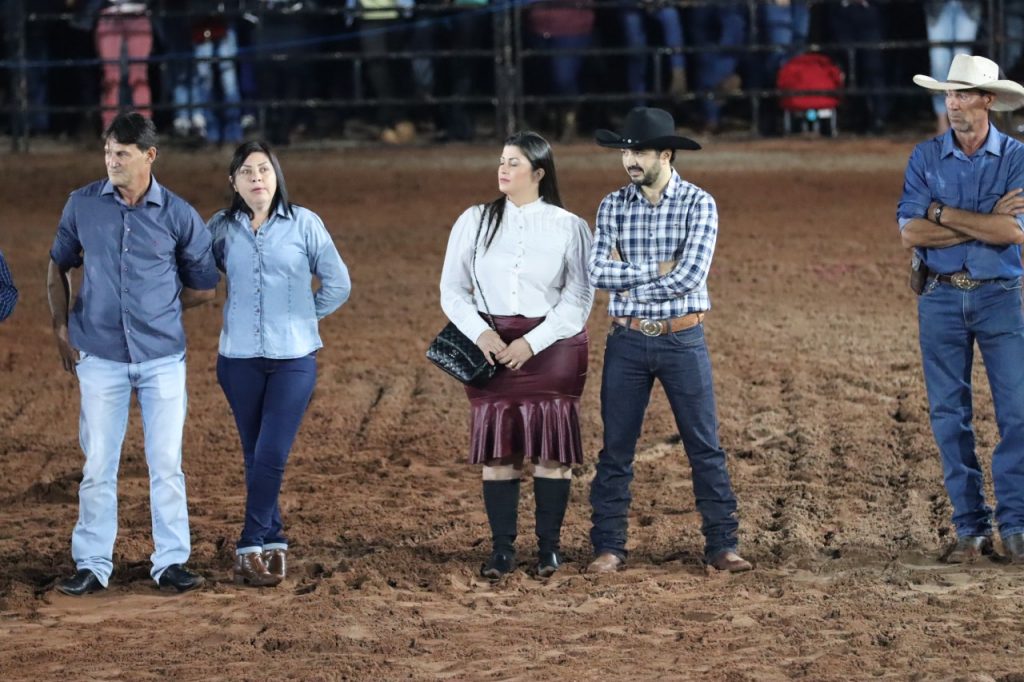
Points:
563	70
268	398
723	25
635	35
680	362
951	321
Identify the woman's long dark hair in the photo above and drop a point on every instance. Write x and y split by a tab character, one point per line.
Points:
242	153
538	152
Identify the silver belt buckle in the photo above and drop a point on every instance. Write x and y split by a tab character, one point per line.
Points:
961	280
651	327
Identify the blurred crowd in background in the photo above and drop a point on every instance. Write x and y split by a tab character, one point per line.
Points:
212	72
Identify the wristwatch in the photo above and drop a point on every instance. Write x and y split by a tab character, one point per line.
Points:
937	213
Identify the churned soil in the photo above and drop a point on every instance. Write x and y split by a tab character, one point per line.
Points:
813	338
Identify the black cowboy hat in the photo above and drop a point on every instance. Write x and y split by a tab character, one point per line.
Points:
646	128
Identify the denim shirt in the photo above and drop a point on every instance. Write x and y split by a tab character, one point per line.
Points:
137	259
939	171
271	310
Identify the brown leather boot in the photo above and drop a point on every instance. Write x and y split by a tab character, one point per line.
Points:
250	570
277	562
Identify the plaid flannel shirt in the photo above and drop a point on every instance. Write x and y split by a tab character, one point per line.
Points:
683	226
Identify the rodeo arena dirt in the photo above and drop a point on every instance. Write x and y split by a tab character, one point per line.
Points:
813	337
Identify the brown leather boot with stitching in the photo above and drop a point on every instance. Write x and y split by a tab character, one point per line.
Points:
250	570
277	562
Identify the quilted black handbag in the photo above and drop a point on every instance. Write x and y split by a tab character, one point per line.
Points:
454	352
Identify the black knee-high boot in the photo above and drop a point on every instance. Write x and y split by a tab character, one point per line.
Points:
501	500
552	495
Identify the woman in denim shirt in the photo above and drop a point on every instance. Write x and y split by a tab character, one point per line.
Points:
269	249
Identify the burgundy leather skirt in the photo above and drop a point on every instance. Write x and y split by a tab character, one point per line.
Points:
532	413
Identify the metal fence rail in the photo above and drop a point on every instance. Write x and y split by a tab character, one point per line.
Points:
503	91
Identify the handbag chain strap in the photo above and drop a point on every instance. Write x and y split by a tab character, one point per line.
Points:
476	243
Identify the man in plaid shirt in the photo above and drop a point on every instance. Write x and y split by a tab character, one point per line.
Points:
653	249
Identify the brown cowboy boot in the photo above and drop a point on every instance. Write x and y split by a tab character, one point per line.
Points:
250	570
277	561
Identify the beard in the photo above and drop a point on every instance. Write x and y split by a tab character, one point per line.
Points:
648	178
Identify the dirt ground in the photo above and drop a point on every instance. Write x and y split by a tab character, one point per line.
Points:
822	408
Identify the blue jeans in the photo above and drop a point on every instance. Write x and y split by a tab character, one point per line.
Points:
681	363
636	37
946	21
950	322
106	390
222	125
268	398
710	26
564	70
856	23
785	26
175	35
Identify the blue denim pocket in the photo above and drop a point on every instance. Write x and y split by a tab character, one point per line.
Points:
1010	284
688	338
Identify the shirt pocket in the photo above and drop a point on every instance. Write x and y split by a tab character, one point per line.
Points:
161	246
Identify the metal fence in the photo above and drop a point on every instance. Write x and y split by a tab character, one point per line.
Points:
320	53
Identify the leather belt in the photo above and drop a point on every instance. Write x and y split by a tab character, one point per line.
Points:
660	327
961	280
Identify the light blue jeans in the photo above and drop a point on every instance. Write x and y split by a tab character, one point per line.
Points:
947	21
222	124
106	390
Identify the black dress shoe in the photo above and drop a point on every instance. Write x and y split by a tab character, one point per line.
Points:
501	563
1014	546
180	578
82	582
548	563
967	549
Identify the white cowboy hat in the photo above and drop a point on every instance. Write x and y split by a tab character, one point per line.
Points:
970	72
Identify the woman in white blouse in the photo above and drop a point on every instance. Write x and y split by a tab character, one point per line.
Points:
531	265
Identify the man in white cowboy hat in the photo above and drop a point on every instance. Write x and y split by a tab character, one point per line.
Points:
962	211
653	249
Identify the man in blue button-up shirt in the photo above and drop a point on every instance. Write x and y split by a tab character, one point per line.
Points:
147	256
962	212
